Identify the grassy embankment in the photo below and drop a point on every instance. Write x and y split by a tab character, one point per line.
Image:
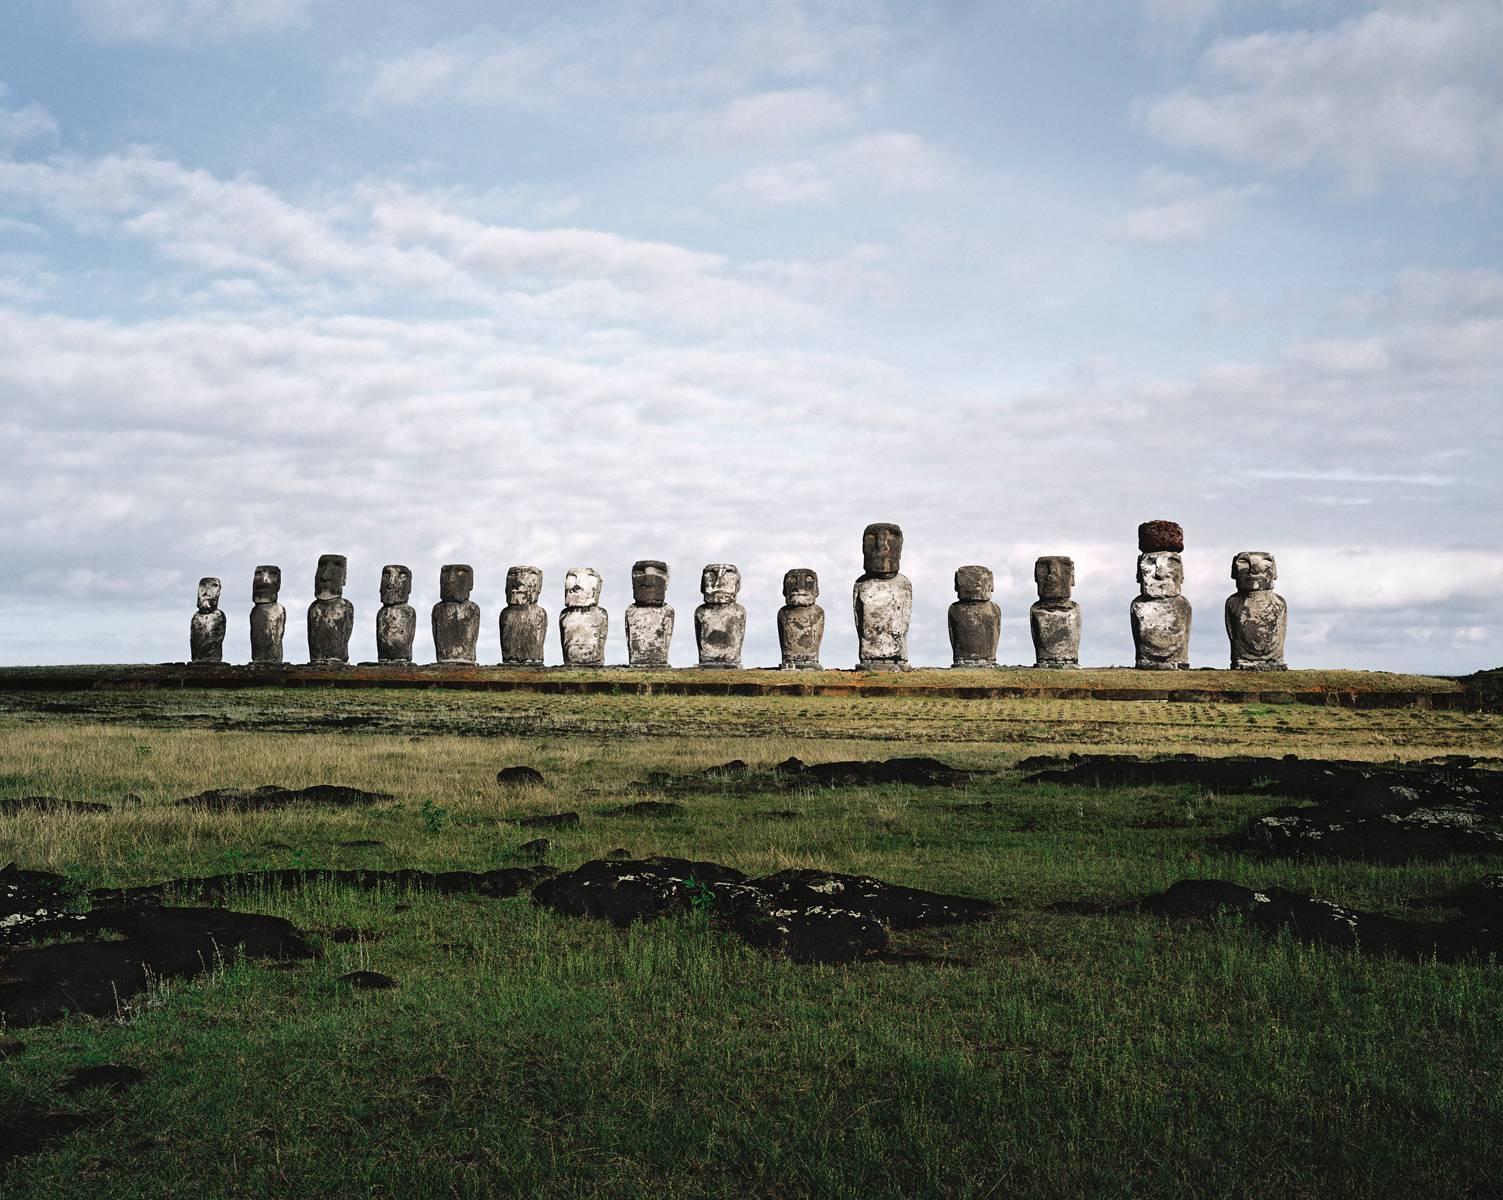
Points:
530	1054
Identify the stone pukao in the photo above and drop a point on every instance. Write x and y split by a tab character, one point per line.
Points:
524	624
801	621
268	619
649	618
331	618
396	620
975	620
1256	617
206	630
583	625
883	600
1054	618
1160	615
720	623
456	618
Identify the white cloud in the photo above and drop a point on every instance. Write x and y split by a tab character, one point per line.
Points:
1411	86
759	117
1181	208
887	162
29	123
183	21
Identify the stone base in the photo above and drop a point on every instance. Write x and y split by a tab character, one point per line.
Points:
800	664
882	664
328	662
649	664
1162	666
524	664
1259	664
1058	664
720	666
387	662
455	662
974	664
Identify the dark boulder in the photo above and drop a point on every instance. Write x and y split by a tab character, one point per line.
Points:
648	808
519	776
549	820
271	796
622	892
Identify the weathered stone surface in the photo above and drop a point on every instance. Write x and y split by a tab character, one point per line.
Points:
268	619
808	916
271	796
975	621
519	776
524	623
801	621
1160	615
206	632
549	820
1160	535
396	620
583	625
883	600
456	618
331	618
649	620
720	623
1256	616
1054	620
498	884
1477	933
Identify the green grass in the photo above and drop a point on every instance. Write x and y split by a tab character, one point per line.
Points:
530	1054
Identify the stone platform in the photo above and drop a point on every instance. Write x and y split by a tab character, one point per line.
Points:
1347	689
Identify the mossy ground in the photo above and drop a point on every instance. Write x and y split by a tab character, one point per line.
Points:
529	1054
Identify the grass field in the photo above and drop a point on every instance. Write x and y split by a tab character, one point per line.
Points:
529	1054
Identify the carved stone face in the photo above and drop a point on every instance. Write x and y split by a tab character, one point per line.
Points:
1160	574
1055	576
455	582
882	549
328	581
800	587
208	594
582	587
523	585
396	584
974	583
1254	571
649	581
720	582
266	584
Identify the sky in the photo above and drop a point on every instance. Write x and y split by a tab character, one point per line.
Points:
711	281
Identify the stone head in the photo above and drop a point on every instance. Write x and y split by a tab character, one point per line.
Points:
329	580
265	585
455	582
882	549
649	581
974	583
800	587
582	587
1254	571
523	586
1055	576
208	594
396	583
720	583
1161	574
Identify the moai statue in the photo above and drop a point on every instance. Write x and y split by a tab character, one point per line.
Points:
1055	618
331	618
801	622
975	621
456	618
883	601
524	624
583	625
720	623
1160	615
206	631
649	619
268	619
1256	617
396	621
